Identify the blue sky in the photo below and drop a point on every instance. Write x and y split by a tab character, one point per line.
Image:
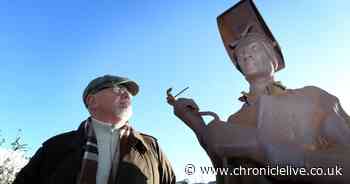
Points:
49	51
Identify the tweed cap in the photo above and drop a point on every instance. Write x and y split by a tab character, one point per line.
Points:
109	81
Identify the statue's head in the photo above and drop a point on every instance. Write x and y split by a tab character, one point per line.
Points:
248	40
254	55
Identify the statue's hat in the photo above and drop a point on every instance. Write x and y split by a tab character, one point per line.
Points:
241	21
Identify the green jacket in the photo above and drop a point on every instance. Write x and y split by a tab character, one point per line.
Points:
59	161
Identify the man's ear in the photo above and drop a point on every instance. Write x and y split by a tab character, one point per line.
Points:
91	101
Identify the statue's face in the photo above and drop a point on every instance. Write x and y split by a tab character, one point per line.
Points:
254	60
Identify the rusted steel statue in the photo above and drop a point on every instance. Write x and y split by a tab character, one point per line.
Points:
276	126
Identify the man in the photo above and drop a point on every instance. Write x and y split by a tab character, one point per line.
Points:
105	149
276	126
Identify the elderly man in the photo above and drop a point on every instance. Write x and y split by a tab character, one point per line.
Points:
105	149
276	126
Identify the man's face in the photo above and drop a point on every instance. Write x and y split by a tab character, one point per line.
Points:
254	60
114	101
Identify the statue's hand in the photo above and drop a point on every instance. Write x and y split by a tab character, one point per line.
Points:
186	109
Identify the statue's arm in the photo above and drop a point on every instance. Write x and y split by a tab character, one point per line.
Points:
332	158
336	124
343	114
336	131
188	111
336	127
194	121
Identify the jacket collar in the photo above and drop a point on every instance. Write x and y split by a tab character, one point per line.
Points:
274	89
138	141
135	139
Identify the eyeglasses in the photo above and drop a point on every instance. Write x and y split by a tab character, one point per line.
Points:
120	90
116	89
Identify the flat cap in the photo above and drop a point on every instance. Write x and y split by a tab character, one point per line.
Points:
109	81
241	22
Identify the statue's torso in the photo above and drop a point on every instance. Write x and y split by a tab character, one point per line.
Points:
272	122
294	116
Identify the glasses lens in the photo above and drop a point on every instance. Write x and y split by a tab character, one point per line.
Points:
120	89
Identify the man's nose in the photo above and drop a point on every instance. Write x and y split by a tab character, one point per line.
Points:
125	95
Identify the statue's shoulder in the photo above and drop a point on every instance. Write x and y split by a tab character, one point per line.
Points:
319	95
310	89
246	115
315	91
306	89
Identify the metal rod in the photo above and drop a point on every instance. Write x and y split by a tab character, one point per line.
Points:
181	91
